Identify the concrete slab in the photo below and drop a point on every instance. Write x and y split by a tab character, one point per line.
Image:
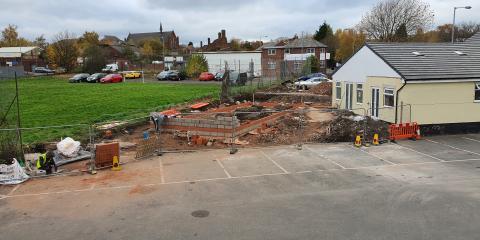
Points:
248	163
437	150
397	154
53	184
294	160
191	167
345	155
473	137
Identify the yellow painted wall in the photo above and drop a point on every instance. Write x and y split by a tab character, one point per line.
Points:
430	103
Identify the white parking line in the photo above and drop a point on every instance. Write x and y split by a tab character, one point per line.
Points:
373	155
324	157
273	161
471	139
13	190
424	154
162	175
223	167
229	178
450	146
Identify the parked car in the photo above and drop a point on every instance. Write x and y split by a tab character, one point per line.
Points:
219	75
168	75
307	84
112	78
94	78
81	77
306	77
206	76
133	74
238	78
110	68
43	70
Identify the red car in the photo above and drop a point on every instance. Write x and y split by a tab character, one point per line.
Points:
206	76
112	78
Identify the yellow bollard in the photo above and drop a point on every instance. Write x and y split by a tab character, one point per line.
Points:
375	139
358	141
116	164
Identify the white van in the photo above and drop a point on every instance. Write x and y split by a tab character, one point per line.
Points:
110	68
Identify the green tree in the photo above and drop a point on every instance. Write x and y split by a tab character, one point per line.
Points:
324	31
349	41
63	52
312	65
10	38
129	54
196	65
95	59
401	34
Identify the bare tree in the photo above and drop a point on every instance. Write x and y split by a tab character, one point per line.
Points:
385	18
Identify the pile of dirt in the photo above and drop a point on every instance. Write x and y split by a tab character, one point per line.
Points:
288	129
322	89
346	126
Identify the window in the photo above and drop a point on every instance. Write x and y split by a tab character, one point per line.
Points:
272	51
322	50
310	50
287	50
323	64
388	97
271	65
477	91
359	93
338	90
297	66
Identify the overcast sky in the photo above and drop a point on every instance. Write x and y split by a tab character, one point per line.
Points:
195	20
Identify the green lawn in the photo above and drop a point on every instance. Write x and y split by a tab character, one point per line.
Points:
50	101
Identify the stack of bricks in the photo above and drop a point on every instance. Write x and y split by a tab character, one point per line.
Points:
217	127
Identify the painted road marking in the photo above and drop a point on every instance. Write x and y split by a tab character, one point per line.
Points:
13	190
226	178
274	162
450	146
162	176
324	157
424	154
373	155
223	167
471	139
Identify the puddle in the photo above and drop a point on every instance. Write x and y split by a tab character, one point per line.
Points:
200	213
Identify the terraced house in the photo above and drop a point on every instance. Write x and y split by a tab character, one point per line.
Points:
429	83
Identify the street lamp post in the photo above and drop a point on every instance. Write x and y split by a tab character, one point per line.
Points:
453	25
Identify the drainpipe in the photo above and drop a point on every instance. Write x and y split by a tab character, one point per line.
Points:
396	101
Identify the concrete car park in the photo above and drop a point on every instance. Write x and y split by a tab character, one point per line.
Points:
425	189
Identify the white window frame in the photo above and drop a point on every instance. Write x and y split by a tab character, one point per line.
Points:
385	94
271	65
476	89
297	65
359	90
272	51
338	90
310	50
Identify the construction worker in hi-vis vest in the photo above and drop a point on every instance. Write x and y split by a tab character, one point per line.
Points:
45	162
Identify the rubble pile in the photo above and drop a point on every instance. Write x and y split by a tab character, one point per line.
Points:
322	89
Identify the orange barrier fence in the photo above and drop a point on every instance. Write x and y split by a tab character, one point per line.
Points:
404	131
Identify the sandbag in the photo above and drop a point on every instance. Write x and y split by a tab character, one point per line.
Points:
12	174
68	147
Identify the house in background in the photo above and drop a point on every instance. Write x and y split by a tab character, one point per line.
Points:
169	38
27	57
428	83
111	40
287	57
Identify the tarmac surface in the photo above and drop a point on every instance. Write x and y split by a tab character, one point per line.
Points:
426	189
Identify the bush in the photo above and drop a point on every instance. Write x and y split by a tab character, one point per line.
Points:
196	65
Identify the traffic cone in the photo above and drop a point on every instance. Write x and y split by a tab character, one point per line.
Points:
116	164
358	141
375	139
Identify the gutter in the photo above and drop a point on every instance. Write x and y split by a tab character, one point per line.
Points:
396	101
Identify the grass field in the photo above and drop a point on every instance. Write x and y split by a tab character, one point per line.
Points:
46	101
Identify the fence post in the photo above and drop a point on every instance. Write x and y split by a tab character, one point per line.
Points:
301	130
92	150
233	149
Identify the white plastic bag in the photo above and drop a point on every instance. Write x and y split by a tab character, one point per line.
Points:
68	147
12	174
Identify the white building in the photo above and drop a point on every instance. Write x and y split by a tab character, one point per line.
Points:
237	61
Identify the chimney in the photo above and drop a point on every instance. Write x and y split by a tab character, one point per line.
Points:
208	41
224	35
201	44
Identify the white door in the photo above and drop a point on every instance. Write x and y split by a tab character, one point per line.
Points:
349	95
375	101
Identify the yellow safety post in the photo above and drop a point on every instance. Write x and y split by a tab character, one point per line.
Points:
116	164
375	139
358	141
